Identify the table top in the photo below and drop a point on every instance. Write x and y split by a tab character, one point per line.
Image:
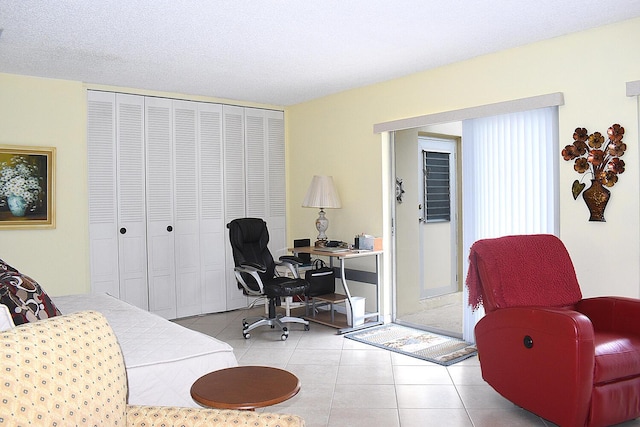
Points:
353	253
245	387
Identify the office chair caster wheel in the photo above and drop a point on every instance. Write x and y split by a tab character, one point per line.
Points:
285	334
246	335
245	325
306	327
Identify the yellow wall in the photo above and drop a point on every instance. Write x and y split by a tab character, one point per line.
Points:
334	136
407	225
48	112
42	112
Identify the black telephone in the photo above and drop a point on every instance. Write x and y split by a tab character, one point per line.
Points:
333	243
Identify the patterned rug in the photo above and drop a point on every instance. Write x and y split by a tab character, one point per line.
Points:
416	343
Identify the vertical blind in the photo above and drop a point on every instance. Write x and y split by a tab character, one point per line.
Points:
511	169
510	179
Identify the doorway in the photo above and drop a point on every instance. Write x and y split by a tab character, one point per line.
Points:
539	216
428	291
437	216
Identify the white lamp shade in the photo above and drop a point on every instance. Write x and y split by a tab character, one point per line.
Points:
322	194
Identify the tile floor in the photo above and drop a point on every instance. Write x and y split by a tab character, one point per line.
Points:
349	384
442	313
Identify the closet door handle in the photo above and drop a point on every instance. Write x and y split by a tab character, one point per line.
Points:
169	228
123	230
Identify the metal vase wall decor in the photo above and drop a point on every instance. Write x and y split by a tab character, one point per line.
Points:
596	197
600	157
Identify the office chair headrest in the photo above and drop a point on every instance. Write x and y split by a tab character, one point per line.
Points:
249	230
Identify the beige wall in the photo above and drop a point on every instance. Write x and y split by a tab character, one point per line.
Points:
334	136
407	225
48	112
42	112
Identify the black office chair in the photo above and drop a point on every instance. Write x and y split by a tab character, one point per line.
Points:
256	274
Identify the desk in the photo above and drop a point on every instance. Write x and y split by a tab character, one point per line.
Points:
245	387
342	257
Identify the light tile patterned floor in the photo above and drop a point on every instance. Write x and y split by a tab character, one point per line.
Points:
349	384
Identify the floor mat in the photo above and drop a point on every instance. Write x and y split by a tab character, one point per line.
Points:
416	343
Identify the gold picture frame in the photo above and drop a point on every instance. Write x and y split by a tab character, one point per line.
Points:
27	187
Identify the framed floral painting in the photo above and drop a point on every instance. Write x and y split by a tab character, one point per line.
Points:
27	187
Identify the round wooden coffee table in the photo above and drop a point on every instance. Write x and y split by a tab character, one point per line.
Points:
245	387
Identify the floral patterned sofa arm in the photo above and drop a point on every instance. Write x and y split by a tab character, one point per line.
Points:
69	370
173	416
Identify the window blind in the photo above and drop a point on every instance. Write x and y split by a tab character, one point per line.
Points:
510	176
511	170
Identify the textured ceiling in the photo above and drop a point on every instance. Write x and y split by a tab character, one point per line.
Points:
278	52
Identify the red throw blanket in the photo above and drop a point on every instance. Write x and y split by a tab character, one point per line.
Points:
525	270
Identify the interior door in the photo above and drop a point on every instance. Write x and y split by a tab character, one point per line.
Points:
437	215
187	207
277	203
212	224
426	255
234	190
160	214
132	248
265	173
103	202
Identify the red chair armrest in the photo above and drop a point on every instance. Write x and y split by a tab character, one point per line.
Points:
616	314
541	359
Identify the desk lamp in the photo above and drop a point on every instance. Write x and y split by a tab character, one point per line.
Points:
322	194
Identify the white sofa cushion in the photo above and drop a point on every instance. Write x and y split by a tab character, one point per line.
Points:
6	321
163	359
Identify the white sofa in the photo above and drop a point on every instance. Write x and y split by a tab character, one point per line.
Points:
68	370
162	358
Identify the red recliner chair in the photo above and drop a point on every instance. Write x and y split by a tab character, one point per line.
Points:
572	361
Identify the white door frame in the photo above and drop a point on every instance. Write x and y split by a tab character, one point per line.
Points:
389	301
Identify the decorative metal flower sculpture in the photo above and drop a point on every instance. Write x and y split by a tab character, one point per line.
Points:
601	158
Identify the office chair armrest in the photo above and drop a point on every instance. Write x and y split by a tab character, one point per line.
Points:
291	262
290	259
250	267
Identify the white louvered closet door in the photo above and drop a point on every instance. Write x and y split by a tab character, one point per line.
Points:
276	182
264	147
160	207
234	190
187	209
132	246
165	177
212	221
256	162
115	146
103	219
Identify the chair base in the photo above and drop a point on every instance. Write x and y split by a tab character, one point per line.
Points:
278	321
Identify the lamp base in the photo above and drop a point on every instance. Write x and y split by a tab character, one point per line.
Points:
322	224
